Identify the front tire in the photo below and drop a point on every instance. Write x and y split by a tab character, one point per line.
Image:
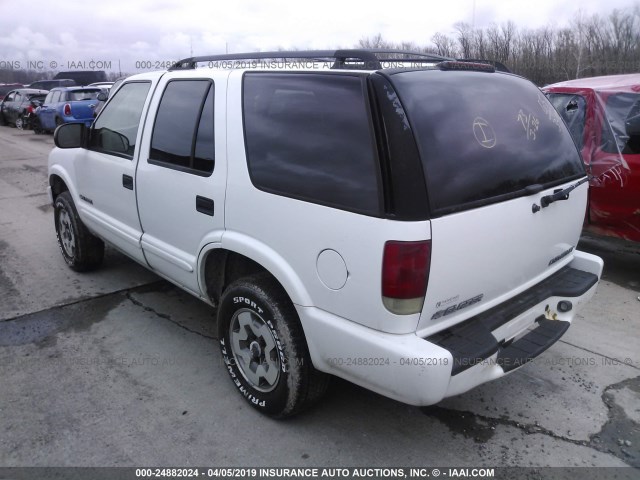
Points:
264	348
80	248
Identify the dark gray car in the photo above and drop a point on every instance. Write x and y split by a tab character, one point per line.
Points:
18	106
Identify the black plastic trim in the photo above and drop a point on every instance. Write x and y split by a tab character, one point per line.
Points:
205	205
405	188
127	181
471	342
371	58
525	349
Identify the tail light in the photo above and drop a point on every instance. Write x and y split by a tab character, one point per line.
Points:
405	273
30	109
67	109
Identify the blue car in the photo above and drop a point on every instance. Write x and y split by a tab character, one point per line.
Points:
68	105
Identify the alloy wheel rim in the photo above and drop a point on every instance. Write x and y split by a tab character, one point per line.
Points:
67	238
254	350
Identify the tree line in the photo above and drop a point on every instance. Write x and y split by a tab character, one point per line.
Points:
590	45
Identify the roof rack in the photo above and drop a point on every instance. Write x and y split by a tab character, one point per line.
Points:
370	59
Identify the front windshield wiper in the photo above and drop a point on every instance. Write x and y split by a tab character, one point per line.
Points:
556	196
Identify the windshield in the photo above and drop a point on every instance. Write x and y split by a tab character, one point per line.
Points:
483	136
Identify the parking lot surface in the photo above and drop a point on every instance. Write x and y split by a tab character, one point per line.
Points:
120	368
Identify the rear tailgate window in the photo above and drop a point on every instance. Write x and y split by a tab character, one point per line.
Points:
78	95
484	137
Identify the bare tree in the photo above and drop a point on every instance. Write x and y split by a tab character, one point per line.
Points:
445	45
374	42
465	38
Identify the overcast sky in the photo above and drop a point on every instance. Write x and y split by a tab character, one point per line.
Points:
133	31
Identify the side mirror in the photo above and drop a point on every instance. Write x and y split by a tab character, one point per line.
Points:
70	135
102	96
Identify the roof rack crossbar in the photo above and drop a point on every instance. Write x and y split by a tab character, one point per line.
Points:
367	56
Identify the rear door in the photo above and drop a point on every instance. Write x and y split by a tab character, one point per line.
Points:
491	146
181	175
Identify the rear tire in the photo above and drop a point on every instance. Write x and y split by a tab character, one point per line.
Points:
20	123
80	248
37	127
264	348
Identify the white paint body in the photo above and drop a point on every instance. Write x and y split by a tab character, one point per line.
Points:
328	260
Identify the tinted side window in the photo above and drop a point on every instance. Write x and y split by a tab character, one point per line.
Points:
116	129
308	136
183	131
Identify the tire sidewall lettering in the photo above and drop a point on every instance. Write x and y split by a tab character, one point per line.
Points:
267	401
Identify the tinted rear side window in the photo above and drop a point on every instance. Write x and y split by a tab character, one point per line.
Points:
484	137
183	131
308	136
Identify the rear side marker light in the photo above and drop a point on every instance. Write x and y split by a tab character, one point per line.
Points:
405	273
67	109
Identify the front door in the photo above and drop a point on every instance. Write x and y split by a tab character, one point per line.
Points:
106	170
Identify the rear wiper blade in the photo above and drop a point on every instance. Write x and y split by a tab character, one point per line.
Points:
561	194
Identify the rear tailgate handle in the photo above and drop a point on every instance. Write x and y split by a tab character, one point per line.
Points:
127	181
204	205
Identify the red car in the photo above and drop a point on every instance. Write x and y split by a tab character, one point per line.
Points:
603	115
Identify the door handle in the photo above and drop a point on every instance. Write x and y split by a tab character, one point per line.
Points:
204	205
127	181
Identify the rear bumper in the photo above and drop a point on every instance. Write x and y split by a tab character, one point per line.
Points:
421	371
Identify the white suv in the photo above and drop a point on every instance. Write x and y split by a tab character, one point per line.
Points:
411	229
